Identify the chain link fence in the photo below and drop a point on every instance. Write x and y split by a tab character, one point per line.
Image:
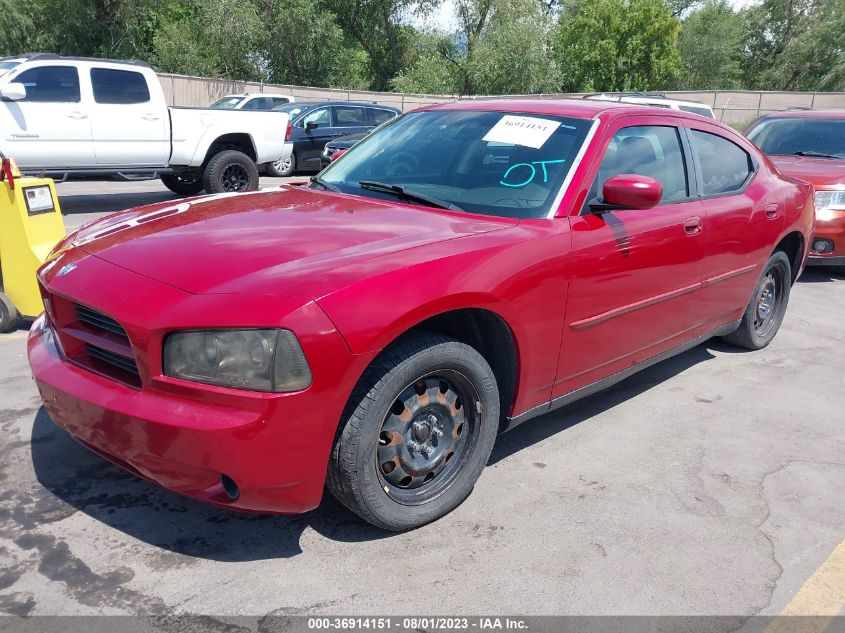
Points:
735	107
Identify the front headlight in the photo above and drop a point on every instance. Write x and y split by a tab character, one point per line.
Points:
258	360
827	201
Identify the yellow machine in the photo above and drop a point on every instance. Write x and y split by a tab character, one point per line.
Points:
30	226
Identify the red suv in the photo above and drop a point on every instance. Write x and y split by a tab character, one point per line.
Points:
810	145
464	269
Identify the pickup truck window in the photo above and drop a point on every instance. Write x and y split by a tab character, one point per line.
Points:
53	84
493	163
119	86
725	166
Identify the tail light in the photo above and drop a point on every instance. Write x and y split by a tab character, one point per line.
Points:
289	131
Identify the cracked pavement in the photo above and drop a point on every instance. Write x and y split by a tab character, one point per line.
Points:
711	483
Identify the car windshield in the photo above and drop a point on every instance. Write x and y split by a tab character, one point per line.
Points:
493	163
7	66
227	103
807	136
291	108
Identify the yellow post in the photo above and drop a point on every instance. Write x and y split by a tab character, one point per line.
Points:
30	226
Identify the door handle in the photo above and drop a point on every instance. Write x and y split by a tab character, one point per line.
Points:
772	211
77	115
692	226
150	117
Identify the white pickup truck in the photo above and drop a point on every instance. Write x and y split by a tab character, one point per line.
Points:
70	116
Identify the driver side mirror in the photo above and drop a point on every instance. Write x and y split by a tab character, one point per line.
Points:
311	125
628	191
13	91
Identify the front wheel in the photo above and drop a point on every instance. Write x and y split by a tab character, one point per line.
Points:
229	171
416	433
765	311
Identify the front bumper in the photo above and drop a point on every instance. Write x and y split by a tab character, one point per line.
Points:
187	445
826	260
185	436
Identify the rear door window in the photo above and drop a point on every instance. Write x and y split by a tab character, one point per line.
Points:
725	166
51	84
379	116
119	86
349	117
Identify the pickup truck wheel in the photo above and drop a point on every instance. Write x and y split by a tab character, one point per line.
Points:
416	434
183	185
8	313
230	170
767	307
281	168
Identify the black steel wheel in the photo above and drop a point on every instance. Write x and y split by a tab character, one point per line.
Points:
427	436
416	433
764	314
230	171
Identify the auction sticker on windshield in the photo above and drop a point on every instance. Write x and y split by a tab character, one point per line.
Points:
522	130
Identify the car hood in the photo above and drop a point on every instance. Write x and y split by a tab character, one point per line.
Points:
290	240
820	172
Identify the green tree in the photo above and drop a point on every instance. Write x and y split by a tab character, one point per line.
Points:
503	47
795	45
710	44
379	27
216	38
306	46
617	45
15	28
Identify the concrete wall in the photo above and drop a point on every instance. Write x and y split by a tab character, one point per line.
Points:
731	106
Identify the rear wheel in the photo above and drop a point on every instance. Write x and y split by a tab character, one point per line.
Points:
765	311
184	185
229	171
416	433
8	313
281	167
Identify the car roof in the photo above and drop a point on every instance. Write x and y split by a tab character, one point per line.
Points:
646	98
806	114
316	104
576	108
37	57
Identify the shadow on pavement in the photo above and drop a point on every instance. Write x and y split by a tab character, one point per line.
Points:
821	274
166	520
538	429
72	204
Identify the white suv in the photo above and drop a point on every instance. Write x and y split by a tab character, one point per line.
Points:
660	101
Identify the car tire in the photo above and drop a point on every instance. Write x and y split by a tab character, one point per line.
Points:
230	171
388	464
183	185
281	168
8	313
767	307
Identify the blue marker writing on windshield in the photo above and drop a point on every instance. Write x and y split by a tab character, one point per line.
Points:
533	169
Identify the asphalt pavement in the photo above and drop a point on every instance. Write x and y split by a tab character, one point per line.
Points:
711	483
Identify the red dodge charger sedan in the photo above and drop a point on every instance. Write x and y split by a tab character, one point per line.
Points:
810	145
464	269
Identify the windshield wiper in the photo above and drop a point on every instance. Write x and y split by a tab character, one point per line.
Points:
815	155
403	192
325	185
